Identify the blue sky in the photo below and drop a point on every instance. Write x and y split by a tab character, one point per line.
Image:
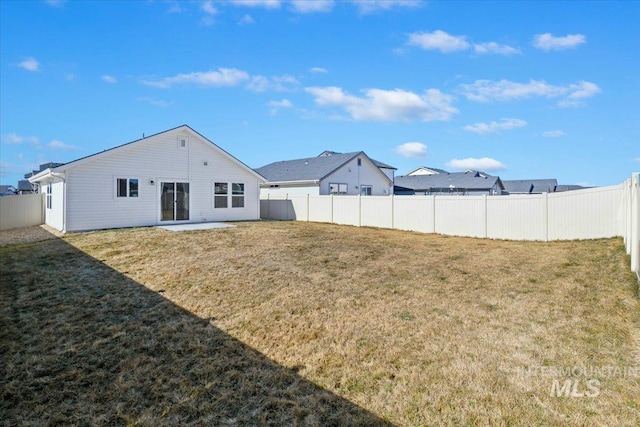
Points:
518	89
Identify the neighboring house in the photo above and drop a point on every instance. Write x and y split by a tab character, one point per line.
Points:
530	186
467	183
328	173
569	187
176	176
25	187
537	186
423	170
8	190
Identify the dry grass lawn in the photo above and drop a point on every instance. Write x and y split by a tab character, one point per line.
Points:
283	323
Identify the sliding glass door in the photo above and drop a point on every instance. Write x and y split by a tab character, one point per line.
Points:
174	201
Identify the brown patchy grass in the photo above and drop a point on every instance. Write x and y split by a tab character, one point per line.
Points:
145	326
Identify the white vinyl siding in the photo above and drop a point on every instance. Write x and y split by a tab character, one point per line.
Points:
355	176
91	201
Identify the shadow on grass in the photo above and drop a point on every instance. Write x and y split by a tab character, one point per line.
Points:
82	344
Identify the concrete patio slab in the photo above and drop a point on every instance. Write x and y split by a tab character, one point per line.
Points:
199	226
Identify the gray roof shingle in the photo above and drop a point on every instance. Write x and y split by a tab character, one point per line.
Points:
310	168
530	185
467	180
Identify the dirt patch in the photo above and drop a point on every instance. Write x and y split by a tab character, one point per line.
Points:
28	235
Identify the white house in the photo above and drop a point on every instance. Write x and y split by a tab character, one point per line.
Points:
175	176
329	173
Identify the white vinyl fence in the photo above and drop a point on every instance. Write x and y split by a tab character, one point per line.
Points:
582	214
21	211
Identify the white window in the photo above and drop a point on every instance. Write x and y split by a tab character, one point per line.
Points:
365	190
237	195
127	187
221	190
49	195
337	188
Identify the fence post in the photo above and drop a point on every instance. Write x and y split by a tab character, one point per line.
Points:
486	219
359	210
307	207
635	223
393	212
434	213
545	215
331	196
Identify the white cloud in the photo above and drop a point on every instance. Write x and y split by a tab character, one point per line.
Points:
504	90
15	139
306	6
277	83
109	79
578	93
59	145
30	64
494	48
277	105
482	164
412	149
69	76
388	105
209	12
438	40
553	134
371	6
494	127
246	20
208	8
267	4
318	70
637	160
548	42
219	78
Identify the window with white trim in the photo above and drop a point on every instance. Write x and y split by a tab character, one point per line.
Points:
337	188
49	195
127	187
365	190
220	192
237	195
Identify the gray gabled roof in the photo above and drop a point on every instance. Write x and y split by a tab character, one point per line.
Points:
64	166
7	189
530	186
436	170
310	168
24	185
466	180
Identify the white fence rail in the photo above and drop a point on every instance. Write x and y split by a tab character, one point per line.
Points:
583	214
24	210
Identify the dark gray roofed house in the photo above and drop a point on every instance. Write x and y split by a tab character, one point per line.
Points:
8	190
25	187
424	170
328	173
456	183
530	186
